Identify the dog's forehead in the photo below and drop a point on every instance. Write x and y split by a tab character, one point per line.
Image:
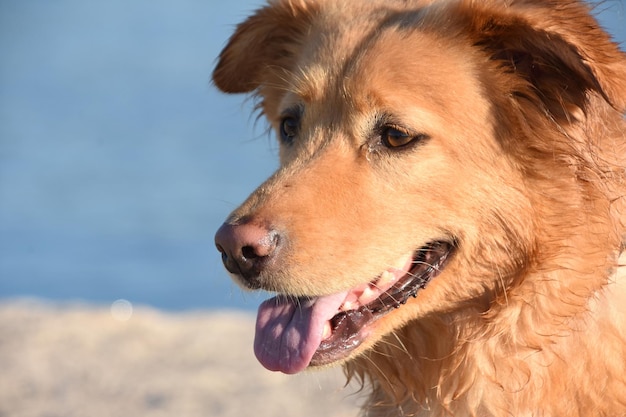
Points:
381	61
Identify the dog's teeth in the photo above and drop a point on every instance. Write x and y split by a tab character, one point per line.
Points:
402	263
368	295
351	302
385	278
327	332
348	305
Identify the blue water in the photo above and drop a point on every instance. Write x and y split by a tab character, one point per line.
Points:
118	160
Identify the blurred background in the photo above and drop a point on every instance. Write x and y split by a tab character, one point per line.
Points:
118	161
118	158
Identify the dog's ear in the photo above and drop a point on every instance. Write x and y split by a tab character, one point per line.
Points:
267	40
559	55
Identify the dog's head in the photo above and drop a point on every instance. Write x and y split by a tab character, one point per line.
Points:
412	139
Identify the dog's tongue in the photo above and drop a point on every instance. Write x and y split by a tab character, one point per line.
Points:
289	330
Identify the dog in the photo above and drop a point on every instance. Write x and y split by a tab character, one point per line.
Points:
449	212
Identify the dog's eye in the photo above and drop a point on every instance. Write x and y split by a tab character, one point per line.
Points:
288	129
396	138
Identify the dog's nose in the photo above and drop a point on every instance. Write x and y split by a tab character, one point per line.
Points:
246	249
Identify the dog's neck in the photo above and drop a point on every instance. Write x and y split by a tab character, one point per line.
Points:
443	364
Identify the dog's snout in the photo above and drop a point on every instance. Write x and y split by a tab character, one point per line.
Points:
246	249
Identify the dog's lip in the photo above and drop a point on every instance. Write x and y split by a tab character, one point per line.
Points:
349	328
293	333
364	294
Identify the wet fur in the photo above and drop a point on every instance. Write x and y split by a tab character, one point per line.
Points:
523	102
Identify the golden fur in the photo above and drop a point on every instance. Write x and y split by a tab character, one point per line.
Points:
523	103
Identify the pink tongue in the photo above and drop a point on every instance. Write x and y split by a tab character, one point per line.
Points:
289	330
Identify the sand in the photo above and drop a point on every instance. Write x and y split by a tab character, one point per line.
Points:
80	360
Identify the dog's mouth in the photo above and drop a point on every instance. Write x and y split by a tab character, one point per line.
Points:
295	332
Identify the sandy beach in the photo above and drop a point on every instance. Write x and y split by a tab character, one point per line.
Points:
77	360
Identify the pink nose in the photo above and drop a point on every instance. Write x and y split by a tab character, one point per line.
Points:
246	249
